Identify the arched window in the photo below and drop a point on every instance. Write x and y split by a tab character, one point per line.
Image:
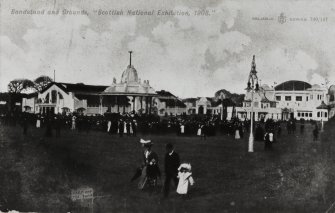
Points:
47	98
53	96
60	95
331	98
318	114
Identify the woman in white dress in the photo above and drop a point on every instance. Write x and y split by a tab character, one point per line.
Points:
109	124
38	122
182	128
125	127
185	178
199	130
237	134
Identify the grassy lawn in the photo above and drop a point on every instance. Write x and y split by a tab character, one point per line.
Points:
38	173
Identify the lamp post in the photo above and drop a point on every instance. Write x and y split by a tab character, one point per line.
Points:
252	87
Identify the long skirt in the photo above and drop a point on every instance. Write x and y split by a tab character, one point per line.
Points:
237	134
109	126
199	132
143	178
38	123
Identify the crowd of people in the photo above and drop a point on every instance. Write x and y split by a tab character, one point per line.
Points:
202	126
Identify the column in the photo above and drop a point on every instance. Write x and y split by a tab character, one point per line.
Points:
117	104
100	104
124	104
150	100
141	99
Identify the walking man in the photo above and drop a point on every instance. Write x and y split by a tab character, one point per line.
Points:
172	162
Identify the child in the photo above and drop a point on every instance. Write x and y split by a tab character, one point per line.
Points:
185	178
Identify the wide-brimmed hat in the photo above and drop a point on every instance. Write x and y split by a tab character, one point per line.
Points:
145	142
185	166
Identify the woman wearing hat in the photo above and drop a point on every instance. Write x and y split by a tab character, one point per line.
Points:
150	168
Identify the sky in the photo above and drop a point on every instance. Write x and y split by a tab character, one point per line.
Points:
189	55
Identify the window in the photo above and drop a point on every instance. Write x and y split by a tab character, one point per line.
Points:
298	98
310	114
47	98
318	114
325	114
287	98
306	98
278	98
298	114
53	96
331	98
60	95
306	114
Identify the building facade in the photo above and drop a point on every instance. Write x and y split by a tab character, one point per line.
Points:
290	99
129	95
165	103
206	105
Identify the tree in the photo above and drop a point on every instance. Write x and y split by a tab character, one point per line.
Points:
42	82
18	85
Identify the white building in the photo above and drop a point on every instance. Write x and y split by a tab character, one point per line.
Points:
64	97
168	104
290	99
129	95
206	105
302	101
264	105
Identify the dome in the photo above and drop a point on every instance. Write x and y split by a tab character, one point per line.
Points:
293	85
331	93
129	75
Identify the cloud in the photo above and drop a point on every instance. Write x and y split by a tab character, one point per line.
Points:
67	44
188	55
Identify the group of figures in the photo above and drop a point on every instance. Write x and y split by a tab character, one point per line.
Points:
149	172
130	125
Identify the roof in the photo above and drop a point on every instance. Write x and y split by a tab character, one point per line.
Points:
5	96
77	88
192	100
322	106
164	93
31	95
172	102
265	100
224	102
293	86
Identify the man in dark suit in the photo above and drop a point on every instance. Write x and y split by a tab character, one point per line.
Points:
172	163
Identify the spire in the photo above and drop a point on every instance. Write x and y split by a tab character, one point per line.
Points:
253	65
130	52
